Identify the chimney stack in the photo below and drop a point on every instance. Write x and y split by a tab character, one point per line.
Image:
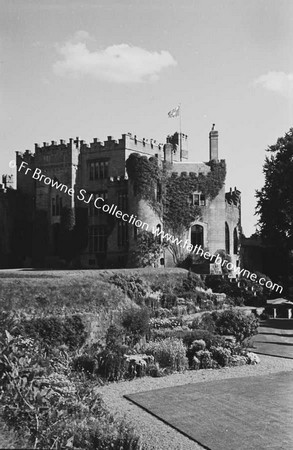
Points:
213	144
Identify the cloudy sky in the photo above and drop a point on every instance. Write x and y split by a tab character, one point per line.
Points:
93	68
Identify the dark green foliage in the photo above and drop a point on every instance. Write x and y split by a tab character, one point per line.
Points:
205	322
84	363
49	408
145	174
136	322
132	285
237	323
221	285
209	338
111	361
115	336
275	207
54	331
168	300
191	283
229	322
147	250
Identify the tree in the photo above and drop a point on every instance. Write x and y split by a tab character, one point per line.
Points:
275	206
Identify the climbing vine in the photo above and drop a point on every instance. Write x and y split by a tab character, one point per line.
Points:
179	210
145	175
175	206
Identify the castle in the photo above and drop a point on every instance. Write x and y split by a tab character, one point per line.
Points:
45	214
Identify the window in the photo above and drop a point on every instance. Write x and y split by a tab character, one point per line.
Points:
227	238
159	192
97	239
122	234
122	201
98	170
53	206
235	241
56	205
158	234
198	199
93	211
197	235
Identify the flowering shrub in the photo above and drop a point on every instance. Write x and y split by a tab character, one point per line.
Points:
169	353
237	360
171	322
252	358
163	333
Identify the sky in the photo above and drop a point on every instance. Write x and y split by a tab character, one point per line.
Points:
94	68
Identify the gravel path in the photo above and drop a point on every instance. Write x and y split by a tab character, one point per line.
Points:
154	433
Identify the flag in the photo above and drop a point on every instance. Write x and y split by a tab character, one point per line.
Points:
174	112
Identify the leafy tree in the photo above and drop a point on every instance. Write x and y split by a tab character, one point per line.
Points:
275	206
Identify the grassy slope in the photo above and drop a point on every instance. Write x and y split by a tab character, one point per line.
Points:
53	291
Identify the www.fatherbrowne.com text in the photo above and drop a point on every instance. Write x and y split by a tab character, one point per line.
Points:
99	203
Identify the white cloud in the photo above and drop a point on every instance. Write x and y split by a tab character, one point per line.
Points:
279	82
121	63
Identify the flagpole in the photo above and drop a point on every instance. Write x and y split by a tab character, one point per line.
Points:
180	131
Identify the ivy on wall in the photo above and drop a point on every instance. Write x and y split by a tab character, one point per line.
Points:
175	206
179	210
145	175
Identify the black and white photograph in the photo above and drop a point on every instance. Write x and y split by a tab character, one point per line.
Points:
146	224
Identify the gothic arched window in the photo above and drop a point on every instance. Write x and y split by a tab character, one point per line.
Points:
227	238
197	235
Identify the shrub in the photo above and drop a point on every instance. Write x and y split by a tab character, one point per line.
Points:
84	363
131	285
162	313
206	361
111	361
221	355
237	323
252	358
169	353
237	360
168	300
195	347
205	322
54	331
114	336
50	409
192	282
209	338
136	322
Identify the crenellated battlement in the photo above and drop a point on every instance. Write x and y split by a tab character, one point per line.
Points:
127	141
26	156
233	197
54	146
